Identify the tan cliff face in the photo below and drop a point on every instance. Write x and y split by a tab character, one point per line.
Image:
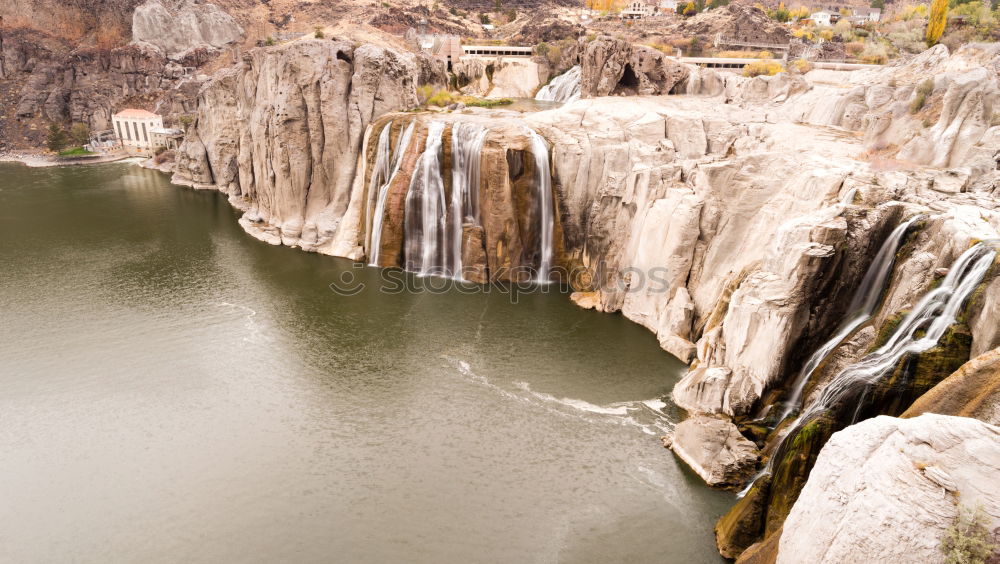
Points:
761	203
281	133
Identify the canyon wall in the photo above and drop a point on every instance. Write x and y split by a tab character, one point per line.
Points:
737	222
281	133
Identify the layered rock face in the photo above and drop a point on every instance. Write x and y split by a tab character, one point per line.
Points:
736	223
44	80
281	134
617	67
499	77
175	28
972	391
886	489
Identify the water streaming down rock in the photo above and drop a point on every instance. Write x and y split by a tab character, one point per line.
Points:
563	88
918	331
862	307
384	171
425	209
543	191
466	147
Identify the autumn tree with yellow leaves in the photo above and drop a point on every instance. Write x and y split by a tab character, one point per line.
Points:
937	21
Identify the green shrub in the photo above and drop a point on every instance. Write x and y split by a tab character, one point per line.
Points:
967	540
56	139
923	91
318	32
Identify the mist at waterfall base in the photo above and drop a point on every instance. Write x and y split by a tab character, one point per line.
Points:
175	390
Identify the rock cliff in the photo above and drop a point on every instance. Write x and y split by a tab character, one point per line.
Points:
737	223
886	489
281	133
176	28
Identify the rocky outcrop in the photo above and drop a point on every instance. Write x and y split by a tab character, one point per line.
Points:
715	450
972	391
281	133
736	224
886	489
617	67
176	28
45	80
737	22
497	78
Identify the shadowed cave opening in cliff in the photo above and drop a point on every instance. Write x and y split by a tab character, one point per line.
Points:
629	83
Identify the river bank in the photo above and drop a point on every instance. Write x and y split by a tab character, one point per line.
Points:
37	159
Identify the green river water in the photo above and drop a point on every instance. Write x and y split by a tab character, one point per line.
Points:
173	390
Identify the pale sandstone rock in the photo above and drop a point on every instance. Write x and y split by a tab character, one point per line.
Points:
715	450
886	489
972	391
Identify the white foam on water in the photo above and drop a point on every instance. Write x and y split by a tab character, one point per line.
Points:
573	403
646	415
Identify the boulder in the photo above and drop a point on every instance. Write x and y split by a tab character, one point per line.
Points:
886	489
715	450
617	67
972	391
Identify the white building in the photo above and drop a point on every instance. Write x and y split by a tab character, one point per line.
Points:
636	10
821	18
134	130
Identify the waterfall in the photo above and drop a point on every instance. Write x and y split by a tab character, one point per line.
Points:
931	317
563	88
380	174
384	172
862	307
466	147
424	222
543	187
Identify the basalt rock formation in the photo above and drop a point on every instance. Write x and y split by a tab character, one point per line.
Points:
972	391
44	79
176	28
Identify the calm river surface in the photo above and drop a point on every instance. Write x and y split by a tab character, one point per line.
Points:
172	390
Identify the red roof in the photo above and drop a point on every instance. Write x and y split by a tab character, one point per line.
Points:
135	114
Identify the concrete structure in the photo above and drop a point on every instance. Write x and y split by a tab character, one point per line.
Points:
497	51
869	14
821	18
636	10
133	129
166	137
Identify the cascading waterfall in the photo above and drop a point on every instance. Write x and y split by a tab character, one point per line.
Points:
933	315
931	318
386	167
563	88
543	187
866	299
425	211
466	147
